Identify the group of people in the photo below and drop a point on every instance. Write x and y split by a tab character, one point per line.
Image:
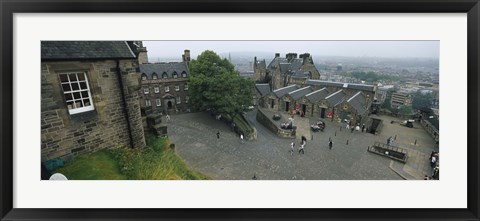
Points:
303	142
320	125
287	125
434	156
350	126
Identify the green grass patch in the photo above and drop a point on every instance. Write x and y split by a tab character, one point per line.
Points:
157	161
100	165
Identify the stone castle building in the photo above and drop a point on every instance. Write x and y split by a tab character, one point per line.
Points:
89	97
282	72
323	99
165	86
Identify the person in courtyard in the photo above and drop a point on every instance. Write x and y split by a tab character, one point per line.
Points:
352	129
292	146
301	149
304	139
241	138
363	128
218	135
330	144
168	118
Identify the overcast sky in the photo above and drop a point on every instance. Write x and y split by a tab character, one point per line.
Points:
421	49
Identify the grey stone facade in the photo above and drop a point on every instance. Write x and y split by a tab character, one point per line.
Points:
115	119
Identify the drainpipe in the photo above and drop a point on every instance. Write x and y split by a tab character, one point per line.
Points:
120	82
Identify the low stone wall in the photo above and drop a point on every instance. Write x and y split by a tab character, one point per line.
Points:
430	129
266	121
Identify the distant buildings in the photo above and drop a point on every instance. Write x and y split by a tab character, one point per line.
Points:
400	99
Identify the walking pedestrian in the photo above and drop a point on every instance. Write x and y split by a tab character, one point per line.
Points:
241	138
301	149
304	139
292	146
218	135
330	144
363	128
167	117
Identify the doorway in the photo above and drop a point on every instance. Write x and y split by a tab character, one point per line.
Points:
322	112
287	106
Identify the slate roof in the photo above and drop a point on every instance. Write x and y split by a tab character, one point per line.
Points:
161	68
357	101
263	89
336	98
285	90
261	64
299	93
77	50
363	87
317	95
276	62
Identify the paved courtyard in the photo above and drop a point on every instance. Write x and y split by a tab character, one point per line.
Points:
268	157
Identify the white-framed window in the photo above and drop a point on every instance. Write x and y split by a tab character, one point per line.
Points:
144	77
167	88
154	76
186	87
76	92
186	99
146	90
177	88
175	75
148	103
178	100
158	102
164	75
157	90
184	74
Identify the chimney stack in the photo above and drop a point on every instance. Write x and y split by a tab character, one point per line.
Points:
306	58
186	56
291	56
277	55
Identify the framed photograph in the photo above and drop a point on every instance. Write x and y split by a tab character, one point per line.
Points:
239	110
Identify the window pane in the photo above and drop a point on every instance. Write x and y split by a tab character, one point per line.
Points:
68	97
83	85
66	87
76	95
70	105
86	102
84	94
81	76
75	86
78	104
63	78
73	77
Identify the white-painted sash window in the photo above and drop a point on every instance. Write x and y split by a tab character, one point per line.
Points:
76	92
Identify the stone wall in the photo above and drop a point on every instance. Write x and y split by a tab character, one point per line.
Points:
266	121
64	135
431	129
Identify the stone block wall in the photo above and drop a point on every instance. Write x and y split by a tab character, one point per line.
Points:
65	135
265	120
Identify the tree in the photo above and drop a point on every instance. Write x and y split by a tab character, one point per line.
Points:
214	83
405	110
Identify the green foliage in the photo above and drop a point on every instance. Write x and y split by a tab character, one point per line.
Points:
371	76
100	165
422	100
154	162
405	110
241	124
215	84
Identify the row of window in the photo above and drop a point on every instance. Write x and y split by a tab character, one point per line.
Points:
164	75
167	89
158	102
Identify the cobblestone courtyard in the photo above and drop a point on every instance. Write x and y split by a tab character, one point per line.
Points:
268	157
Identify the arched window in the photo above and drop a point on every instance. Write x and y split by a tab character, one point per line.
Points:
175	75
144	77
154	76
164	75
184	74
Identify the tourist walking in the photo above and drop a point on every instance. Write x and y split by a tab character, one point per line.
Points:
218	135
167	117
363	128
292	146
330	144
304	139
301	149
241	138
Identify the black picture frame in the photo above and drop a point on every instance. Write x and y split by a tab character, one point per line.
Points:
9	7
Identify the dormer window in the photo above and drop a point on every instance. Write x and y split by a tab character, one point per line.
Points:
144	77
164	75
154	76
175	75
184	74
